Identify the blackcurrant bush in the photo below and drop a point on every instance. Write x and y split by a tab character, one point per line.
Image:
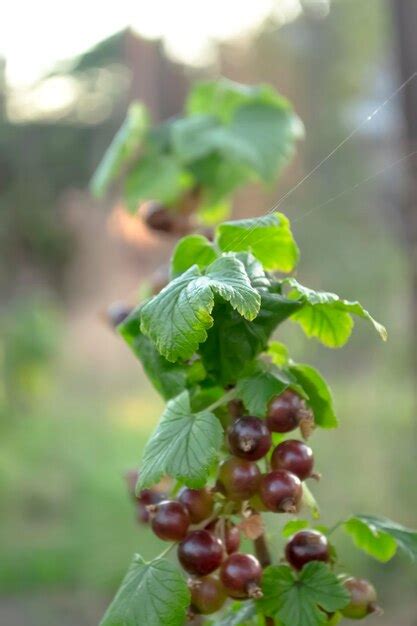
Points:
249	438
170	520
228	532
285	412
281	491
198	502
294	456
241	575
306	546
238	479
200	553
207	595
363	599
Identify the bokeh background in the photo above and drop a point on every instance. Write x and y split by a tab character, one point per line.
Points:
75	408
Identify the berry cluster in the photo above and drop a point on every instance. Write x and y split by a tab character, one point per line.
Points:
201	522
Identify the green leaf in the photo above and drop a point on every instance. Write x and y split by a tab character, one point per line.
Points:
122	149
258	389
184	445
156	177
223	97
153	593
237	614
262	137
327	317
169	379
370	539
406	538
278	353
319	394
233	342
300	600
194	249
268	238
218	178
293	526
254	270
177	318
195	137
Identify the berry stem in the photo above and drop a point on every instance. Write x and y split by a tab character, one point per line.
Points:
230	395
264	557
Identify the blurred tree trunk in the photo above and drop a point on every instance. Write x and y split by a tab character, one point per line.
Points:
405	21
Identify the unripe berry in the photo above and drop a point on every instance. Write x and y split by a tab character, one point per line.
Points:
200	553
238	479
249	438
363	599
294	456
169	520
281	491
306	546
285	412
198	502
241	575
207	595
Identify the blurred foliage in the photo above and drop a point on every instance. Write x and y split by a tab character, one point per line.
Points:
29	333
231	134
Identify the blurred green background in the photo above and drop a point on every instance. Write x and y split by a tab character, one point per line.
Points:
75	408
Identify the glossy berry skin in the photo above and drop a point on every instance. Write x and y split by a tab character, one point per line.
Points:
207	595
249	438
231	538
293	456
238	479
362	598
200	553
306	546
281	491
241	575
198	502
170	520
285	412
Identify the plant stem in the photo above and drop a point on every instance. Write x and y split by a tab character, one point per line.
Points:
227	396
264	558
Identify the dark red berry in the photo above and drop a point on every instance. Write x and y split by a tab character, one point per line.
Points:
198	502
170	520
241	575
363	599
281	491
163	219
146	498
200	553
238	479
306	546
207	595
294	456
158	217
285	412
249	438
227	532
